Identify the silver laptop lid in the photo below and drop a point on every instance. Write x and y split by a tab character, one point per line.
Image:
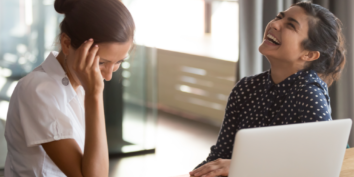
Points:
297	150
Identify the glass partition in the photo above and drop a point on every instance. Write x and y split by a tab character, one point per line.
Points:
130	104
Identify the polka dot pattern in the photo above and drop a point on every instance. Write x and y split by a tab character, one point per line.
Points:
257	102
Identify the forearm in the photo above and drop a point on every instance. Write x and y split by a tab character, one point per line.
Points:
95	158
228	130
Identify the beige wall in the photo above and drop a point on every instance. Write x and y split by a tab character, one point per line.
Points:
205	83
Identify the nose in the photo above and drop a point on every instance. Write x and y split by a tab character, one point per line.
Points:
107	72
276	24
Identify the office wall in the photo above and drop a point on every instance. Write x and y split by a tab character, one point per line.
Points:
194	86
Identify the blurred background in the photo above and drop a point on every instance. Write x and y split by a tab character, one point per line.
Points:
165	105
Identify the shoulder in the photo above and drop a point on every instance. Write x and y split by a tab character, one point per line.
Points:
262	77
311	83
311	87
38	83
247	86
252	82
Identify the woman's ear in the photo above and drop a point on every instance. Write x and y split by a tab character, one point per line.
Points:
311	56
65	43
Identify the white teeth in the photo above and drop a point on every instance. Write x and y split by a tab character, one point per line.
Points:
273	38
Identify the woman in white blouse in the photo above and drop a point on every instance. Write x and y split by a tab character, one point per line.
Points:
56	124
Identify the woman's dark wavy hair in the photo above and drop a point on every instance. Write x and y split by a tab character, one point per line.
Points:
102	20
324	35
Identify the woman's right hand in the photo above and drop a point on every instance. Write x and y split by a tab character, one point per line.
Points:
86	67
218	167
94	162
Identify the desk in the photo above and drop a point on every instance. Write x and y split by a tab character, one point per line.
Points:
348	164
347	167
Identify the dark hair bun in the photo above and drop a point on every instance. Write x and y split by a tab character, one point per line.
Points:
64	6
101	20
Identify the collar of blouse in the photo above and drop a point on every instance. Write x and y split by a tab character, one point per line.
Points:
299	79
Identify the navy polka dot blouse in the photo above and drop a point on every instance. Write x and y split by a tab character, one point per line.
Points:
257	102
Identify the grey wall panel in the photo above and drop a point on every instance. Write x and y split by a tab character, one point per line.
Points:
250	37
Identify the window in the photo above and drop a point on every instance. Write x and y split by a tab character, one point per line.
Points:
179	25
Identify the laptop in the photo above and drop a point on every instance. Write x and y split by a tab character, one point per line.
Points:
298	150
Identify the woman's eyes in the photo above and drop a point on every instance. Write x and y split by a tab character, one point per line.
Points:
101	63
290	24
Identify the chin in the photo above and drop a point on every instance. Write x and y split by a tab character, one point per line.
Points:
262	49
267	52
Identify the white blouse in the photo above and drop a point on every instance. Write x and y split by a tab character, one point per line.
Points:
42	109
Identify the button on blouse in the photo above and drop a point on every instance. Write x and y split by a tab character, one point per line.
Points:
257	102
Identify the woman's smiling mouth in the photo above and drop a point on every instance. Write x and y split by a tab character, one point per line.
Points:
272	39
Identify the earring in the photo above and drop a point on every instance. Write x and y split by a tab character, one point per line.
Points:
65	81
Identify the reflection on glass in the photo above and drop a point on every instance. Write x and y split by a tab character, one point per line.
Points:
11	88
126	74
4	105
139	123
126	109
28	12
5	72
125	65
2	82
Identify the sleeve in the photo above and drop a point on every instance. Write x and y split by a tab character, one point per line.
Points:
224	145
314	104
41	118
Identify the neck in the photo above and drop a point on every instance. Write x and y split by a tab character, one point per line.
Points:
281	71
64	65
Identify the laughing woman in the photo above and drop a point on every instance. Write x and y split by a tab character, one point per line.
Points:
305	48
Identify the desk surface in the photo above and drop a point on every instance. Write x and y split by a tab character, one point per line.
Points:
347	167
348	164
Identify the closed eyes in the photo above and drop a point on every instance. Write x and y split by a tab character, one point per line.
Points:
279	17
119	62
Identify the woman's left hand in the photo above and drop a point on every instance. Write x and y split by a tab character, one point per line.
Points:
219	167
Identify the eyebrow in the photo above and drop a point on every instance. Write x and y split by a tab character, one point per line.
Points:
117	61
290	18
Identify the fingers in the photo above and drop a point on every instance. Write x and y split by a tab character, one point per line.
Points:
214	173
82	53
212	169
96	63
86	67
85	47
91	56
211	172
205	169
